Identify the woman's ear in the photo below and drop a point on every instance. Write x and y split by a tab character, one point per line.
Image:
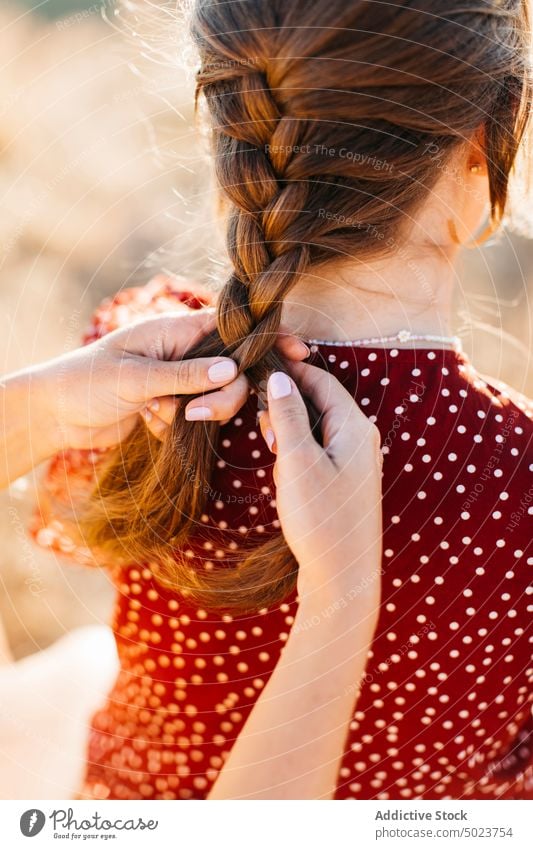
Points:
467	222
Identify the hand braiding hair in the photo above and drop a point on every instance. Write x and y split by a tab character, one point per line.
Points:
267	263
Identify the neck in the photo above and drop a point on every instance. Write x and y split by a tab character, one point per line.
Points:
412	292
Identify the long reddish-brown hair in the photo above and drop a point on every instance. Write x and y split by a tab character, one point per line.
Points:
329	121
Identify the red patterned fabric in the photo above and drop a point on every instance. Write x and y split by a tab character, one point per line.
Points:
445	708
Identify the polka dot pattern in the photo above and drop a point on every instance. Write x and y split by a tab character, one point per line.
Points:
444	710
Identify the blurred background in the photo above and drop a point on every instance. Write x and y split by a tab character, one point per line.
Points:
104	182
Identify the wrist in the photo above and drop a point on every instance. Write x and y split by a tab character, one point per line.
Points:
338	608
334	642
27	434
339	581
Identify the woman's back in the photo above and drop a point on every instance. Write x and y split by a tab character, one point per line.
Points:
445	696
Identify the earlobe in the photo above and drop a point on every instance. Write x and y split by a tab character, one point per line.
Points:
477	159
490	230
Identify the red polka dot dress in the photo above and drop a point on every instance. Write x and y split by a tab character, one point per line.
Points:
445	707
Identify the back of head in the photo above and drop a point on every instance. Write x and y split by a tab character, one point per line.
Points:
329	120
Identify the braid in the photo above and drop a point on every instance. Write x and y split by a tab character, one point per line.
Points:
266	264
326	117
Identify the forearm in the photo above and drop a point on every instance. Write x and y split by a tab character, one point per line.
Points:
292	743
25	432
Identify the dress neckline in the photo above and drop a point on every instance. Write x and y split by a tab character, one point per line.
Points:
398	340
395	352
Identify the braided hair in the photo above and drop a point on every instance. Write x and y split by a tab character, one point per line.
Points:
330	121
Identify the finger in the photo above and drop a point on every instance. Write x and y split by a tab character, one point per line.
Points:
292	347
168	336
219	406
164	408
342	421
157	378
267	431
288	414
171	335
155	425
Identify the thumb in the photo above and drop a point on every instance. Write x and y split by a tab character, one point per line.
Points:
287	413
152	378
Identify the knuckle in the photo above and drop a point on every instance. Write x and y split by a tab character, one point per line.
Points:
238	389
374	437
220	410
230	398
365	429
132	372
167	413
224	408
294	414
305	453
298	452
370	439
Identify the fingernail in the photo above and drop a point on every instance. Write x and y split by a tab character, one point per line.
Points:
154	405
279	385
270	438
197	414
222	372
